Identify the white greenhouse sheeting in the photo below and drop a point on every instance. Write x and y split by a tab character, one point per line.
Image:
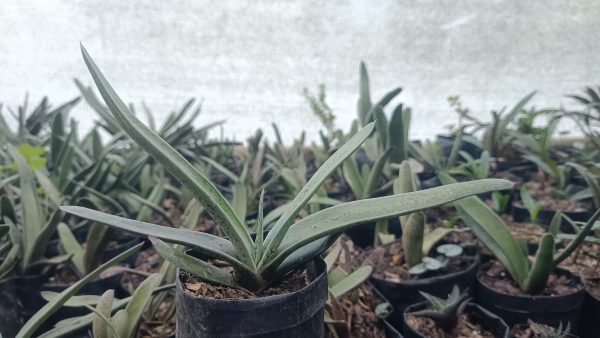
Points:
249	60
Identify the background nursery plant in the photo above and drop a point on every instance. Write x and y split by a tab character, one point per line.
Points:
257	264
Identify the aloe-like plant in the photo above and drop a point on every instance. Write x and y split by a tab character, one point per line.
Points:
444	312
494	233
33	220
258	263
416	243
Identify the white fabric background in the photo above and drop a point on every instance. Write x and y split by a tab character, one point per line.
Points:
250	60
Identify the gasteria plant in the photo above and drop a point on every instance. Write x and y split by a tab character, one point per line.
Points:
256	264
492	231
415	242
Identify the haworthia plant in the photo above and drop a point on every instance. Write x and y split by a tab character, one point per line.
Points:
289	244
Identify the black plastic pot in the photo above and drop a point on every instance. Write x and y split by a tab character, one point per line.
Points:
476	313
550	310
296	314
589	326
10	311
522	168
403	294
28	292
521	214
363	235
447	142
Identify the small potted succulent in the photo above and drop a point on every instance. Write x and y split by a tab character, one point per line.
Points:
273	285
451	317
515	287
419	261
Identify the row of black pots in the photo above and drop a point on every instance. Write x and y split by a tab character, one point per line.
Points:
550	310
521	214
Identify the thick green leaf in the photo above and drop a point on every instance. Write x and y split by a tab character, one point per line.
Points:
51	307
276	235
433	237
100	328
352	177
97	241
75	324
203	189
375	174
351	282
75	301
542	266
364	100
338	218
204	243
33	217
492	231
140	299
72	247
195	266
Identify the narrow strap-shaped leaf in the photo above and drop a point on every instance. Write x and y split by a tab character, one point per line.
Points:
195	266
581	235
51	307
364	99
72	247
352	177
33	217
210	245
100	328
375	173
220	168
276	235
351	282
139	300
542	265
491	230
338	218
203	189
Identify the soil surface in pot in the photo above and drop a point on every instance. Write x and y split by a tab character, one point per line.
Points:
389	263
497	278
543	193
358	311
529	232
292	282
534	330
586	262
466	328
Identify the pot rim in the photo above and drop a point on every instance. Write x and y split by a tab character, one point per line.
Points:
243	304
576	277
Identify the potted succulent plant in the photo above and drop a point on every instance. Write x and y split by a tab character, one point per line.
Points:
451	317
419	261
281	273
511	286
